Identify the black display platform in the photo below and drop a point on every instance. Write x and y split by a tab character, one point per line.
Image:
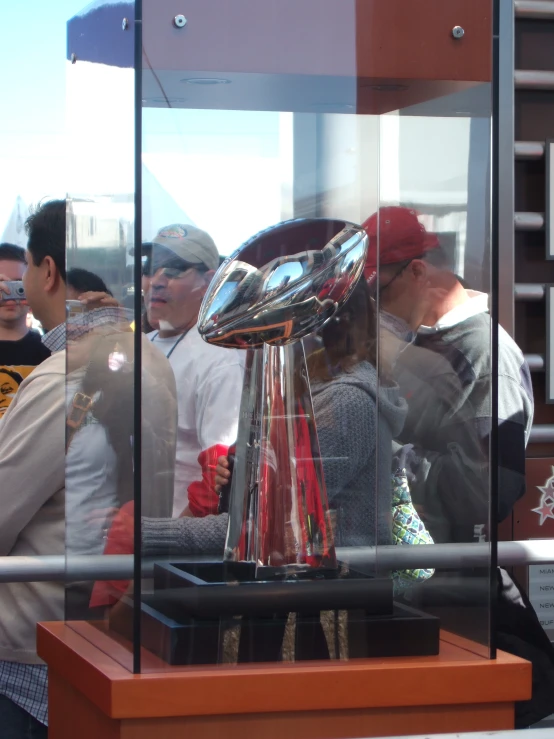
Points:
185	619
213	589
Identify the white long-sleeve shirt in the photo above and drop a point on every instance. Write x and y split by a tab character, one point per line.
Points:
32	491
209	387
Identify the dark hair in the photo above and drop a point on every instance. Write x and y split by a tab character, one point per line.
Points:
46	230
348	338
12	253
14	375
84	281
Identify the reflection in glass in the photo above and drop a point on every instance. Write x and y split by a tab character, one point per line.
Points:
295	277
361	372
278	507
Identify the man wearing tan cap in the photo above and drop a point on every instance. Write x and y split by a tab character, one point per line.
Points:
209	379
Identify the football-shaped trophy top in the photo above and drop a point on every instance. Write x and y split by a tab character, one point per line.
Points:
284	283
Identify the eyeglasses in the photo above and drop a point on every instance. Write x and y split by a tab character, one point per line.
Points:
171	272
377	289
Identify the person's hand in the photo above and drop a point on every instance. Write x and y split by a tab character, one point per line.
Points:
98	300
222	473
4	289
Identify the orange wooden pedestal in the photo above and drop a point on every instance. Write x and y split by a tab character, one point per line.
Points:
93	695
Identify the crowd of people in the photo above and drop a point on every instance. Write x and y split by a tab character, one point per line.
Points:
401	380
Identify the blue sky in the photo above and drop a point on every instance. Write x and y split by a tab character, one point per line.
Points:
230	171
32	57
33	63
51	143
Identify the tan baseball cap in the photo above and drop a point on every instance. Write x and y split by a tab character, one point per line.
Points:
189	243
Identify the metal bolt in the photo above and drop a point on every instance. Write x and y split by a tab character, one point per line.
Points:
124	24
458	32
179	21
73	58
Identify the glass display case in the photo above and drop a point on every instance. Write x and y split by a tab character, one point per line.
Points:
288	390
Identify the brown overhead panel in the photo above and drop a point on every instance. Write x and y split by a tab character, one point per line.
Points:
349	56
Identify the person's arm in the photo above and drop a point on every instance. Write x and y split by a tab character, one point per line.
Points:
217	414
32	453
515	418
184	535
448	464
90	490
451	485
159	432
347	430
95	299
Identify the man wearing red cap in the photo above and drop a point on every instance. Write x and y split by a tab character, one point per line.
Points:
444	371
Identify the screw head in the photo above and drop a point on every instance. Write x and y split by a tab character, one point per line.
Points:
458	32
124	24
73	58
179	21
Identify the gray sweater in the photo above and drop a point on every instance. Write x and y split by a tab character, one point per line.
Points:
446	377
356	424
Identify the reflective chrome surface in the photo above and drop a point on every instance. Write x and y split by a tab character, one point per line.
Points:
278	511
280	286
284	283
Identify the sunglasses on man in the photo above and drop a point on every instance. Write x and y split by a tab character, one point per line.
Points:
173	269
377	289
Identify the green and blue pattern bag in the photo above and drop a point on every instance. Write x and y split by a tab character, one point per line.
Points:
407	529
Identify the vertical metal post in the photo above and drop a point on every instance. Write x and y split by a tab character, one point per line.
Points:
137	421
505	171
306	135
499	6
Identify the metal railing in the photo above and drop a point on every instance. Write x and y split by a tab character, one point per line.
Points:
527	291
534	9
440	556
529	149
526	221
536	362
533	79
542	434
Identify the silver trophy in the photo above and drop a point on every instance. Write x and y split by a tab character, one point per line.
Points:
280	286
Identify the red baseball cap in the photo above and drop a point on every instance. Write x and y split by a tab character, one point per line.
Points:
395	235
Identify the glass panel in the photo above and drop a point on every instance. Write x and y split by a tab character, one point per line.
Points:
32	166
311	422
101	367
305	215
432	234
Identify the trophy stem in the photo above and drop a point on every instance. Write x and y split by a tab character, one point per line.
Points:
279	515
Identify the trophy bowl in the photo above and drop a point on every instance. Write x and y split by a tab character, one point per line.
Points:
283	284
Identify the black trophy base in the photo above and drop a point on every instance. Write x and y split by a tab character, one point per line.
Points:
405	633
192	618
211	590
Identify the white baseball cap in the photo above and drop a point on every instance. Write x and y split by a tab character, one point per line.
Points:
189	243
